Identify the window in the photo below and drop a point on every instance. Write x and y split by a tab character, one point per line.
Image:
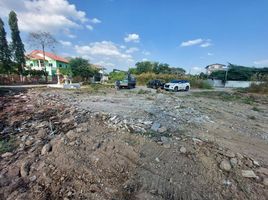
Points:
50	65
60	65
31	64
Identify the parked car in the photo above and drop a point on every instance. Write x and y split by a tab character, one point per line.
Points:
177	85
155	84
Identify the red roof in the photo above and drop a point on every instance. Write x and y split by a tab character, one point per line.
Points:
34	55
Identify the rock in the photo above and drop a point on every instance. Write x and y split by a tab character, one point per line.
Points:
7	154
229	154
157	159
233	162
155	126
23	138
94	188
25	168
29	142
248	163
166	145
183	149
41	134
67	120
46	148
239	156
14	171
162	129
164	139
248	174
265	181
33	178
225	165
197	141
71	135
256	163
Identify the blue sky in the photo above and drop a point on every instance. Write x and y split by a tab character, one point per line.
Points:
183	33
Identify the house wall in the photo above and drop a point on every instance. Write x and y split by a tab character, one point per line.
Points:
51	65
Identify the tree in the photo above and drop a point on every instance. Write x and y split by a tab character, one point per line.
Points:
81	67
17	47
144	67
42	40
5	55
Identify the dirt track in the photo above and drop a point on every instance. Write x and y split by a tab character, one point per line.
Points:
102	146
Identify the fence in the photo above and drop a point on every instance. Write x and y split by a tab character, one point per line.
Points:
16	79
231	84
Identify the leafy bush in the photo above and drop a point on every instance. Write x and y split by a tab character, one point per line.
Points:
114	76
198	83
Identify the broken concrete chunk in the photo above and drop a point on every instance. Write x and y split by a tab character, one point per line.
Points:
162	129
46	148
155	126
183	149
25	168
248	174
7	154
225	165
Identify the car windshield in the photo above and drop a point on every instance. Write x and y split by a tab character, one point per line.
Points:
175	81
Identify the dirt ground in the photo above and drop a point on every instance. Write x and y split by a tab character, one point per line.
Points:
133	144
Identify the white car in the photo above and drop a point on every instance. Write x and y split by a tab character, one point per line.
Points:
177	85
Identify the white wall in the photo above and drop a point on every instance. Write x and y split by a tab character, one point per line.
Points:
232	84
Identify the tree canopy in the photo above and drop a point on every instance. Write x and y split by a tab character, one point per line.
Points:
157	68
82	67
5	55
240	73
17	46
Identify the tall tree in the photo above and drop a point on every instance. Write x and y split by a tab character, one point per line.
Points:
17	46
42	40
5	56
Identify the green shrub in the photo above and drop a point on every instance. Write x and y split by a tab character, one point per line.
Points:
198	83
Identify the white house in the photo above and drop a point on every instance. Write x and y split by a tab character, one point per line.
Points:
215	67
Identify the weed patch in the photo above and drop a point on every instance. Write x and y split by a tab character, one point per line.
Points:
7	145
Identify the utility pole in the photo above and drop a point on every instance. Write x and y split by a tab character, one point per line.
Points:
226	73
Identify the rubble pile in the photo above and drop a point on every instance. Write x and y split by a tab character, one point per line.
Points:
60	151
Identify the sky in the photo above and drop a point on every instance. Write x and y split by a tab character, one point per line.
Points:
118	33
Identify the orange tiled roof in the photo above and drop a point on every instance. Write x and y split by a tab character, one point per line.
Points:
34	55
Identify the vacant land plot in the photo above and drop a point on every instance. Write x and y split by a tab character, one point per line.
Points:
133	144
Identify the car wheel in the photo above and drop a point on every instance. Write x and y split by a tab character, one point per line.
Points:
176	89
187	88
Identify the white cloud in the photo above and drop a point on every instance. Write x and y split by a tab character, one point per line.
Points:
132	38
206	44
65	43
105	52
95	21
132	50
146	53
192	42
261	62
201	42
89	27
44	15
210	54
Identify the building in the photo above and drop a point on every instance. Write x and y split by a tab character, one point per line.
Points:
101	76
215	67
35	61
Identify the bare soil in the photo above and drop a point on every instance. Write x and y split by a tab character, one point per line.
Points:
102	145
